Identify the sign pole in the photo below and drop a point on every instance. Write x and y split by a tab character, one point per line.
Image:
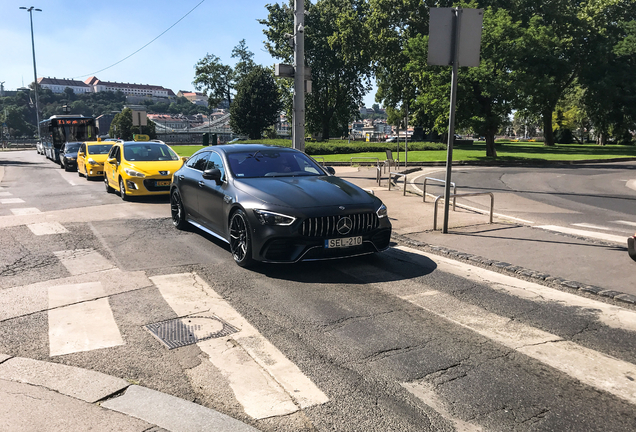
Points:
451	120
298	129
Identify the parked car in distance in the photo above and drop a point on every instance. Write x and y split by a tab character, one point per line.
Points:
276	204
136	168
68	156
631	246
91	157
391	139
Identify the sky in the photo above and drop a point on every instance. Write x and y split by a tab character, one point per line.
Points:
77	39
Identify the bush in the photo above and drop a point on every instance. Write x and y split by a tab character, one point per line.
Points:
345	147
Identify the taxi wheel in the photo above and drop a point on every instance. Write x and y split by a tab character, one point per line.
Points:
240	239
108	188
178	213
122	190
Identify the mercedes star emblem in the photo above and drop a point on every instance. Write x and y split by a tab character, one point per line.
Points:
344	225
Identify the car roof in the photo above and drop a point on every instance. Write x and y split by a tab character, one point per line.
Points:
99	142
243	147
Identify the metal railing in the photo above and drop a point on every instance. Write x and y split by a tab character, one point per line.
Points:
492	204
319	157
377	161
443	182
399	175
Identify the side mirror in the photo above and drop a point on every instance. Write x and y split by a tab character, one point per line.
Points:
213	174
111	160
330	170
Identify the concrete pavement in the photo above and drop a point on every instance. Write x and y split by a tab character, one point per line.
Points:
44	396
584	264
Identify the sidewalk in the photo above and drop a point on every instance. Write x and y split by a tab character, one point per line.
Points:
506	245
51	397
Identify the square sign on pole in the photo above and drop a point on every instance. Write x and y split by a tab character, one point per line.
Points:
139	118
440	41
454	40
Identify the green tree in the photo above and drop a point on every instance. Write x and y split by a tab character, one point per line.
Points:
245	61
336	50
214	79
122	127
257	104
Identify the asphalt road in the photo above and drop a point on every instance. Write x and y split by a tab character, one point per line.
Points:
599	198
400	341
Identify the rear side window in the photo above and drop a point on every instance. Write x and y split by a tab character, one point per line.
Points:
199	161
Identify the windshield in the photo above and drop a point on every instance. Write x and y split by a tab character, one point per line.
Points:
149	152
272	163
72	148
98	149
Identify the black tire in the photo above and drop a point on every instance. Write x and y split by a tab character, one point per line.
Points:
108	188
240	239
177	211
122	190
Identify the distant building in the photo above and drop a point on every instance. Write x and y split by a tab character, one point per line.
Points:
58	85
103	122
98	85
194	97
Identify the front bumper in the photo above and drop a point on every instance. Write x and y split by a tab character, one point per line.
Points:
279	244
631	247
96	170
138	186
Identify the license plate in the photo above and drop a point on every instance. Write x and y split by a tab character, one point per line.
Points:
343	242
163	183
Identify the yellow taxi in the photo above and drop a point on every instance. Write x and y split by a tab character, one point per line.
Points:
91	157
136	168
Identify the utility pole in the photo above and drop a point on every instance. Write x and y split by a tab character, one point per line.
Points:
298	131
35	74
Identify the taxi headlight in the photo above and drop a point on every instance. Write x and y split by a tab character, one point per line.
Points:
133	173
91	161
270	218
382	212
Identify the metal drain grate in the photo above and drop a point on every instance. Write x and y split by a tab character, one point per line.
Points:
180	332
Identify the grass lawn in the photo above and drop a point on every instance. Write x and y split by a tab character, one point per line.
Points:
506	152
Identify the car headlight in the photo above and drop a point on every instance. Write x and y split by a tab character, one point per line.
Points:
70	158
91	161
270	218
382	211
133	173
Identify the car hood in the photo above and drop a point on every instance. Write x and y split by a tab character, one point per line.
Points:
99	158
304	192
153	167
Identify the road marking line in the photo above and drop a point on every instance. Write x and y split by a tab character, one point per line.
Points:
586	365
586	225
622	222
5	194
25	211
64	295
11	201
264	381
82	327
608	314
582	233
47	228
80	261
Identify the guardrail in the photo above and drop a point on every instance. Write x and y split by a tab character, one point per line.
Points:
377	161
399	175
441	181
492	204
319	157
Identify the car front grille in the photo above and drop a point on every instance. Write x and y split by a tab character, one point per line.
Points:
326	226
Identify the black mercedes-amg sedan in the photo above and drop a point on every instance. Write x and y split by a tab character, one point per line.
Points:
276	204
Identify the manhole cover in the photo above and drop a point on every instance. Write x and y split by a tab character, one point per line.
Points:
180	332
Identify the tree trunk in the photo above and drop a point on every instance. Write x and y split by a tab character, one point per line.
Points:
491	151
548	133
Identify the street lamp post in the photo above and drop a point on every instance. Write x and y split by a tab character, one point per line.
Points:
35	74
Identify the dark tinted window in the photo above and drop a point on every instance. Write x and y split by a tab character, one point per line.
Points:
71	147
215	161
99	148
272	163
199	161
149	152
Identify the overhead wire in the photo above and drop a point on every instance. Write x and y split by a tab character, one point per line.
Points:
127	57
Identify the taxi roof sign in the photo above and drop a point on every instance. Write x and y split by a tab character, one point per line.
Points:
140	137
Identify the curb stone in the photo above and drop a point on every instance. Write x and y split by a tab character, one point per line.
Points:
504	267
